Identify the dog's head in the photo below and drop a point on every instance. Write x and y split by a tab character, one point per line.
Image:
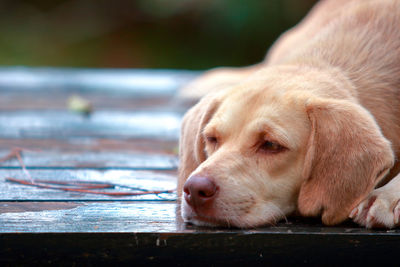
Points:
252	154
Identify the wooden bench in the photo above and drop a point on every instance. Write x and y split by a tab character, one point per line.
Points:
129	143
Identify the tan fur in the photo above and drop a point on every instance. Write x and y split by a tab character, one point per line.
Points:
329	92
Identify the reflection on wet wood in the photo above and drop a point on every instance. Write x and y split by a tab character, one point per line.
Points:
89	144
122	179
97	160
104	81
111	124
144	217
149	233
16	100
92	217
22	207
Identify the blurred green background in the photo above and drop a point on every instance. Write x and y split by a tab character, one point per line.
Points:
180	34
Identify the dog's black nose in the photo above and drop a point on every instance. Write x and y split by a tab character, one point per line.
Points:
199	191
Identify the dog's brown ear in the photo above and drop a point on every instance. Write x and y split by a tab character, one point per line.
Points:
347	156
191	143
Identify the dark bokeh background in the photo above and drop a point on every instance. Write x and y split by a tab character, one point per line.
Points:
183	34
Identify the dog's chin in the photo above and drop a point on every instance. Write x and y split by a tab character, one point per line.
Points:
191	217
203	222
213	220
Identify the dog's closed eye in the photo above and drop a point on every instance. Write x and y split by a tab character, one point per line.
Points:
212	139
212	143
271	147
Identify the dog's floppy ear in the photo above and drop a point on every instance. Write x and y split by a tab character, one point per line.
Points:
347	156
191	144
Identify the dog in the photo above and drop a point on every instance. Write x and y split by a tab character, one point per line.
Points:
313	130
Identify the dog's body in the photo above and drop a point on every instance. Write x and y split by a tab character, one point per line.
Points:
314	128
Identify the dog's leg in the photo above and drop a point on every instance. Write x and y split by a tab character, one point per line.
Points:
381	208
214	80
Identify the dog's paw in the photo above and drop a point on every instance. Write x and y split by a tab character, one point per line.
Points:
381	209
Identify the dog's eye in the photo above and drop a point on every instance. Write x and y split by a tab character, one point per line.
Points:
271	147
212	139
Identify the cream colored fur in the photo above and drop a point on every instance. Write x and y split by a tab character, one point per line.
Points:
328	92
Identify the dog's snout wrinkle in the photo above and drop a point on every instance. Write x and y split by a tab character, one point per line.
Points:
199	191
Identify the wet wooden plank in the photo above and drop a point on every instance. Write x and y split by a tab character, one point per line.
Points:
123	179
92	217
114	124
21	207
138	82
98	160
16	100
143	217
151	233
89	144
